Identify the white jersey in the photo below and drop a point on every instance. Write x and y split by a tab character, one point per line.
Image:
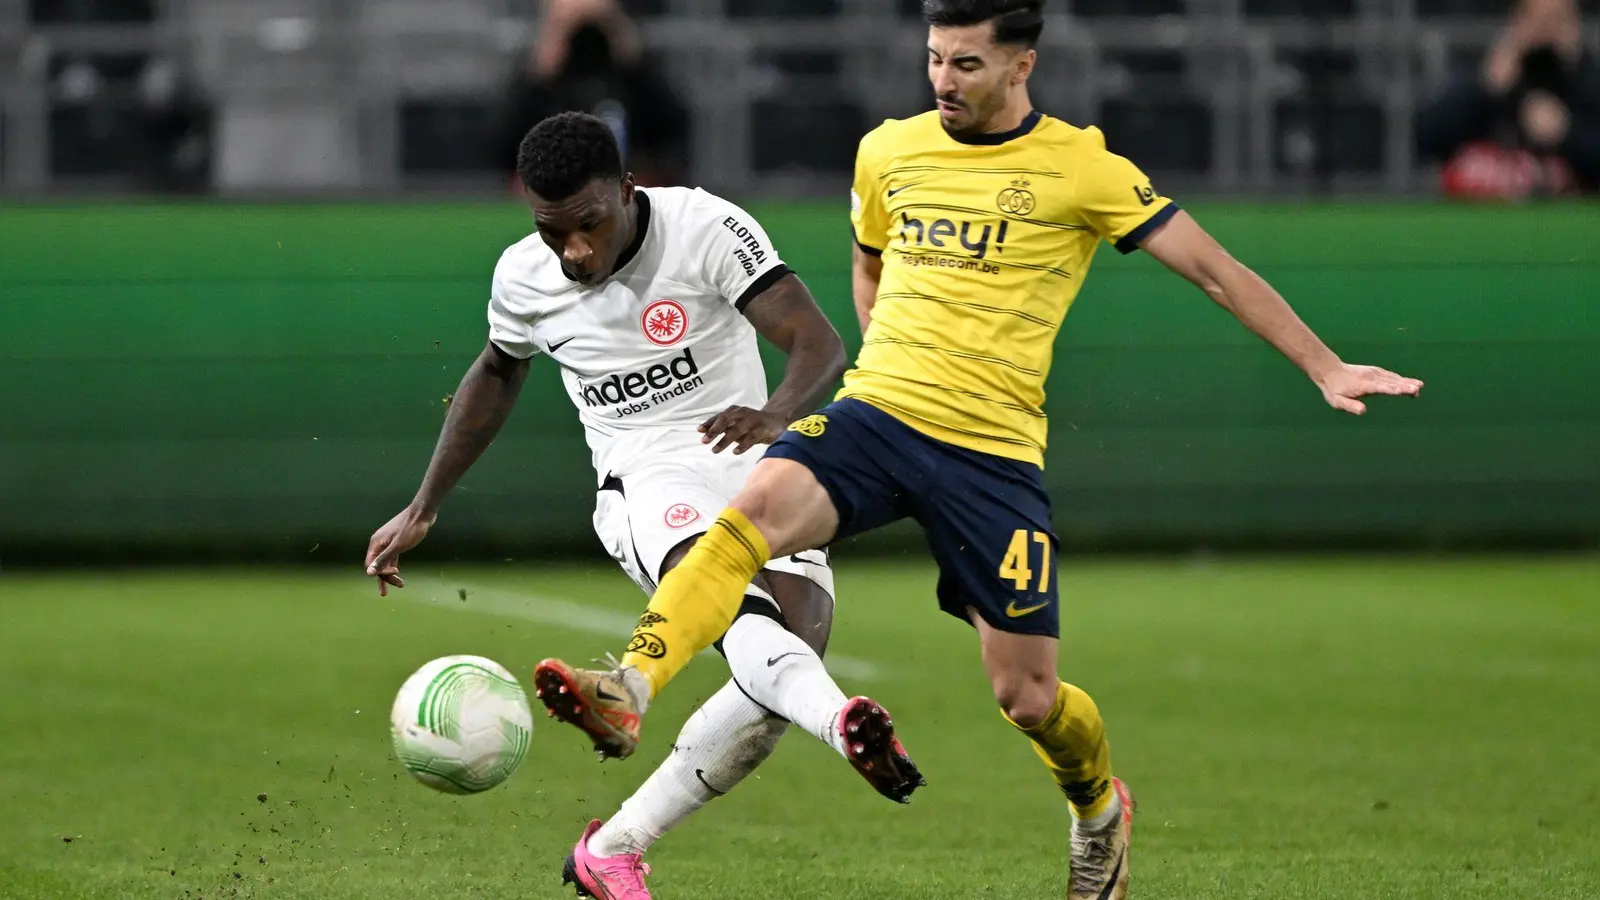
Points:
660	346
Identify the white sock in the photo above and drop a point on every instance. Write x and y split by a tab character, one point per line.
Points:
1103	821
723	741
786	676
638	685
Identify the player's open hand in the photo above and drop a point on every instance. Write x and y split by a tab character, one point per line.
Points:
1345	385
741	428
402	532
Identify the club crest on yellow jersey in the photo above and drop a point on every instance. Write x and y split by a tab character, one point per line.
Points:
1017	200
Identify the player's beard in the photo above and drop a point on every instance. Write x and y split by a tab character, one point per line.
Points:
980	111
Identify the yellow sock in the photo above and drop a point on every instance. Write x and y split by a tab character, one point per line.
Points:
1072	742
696	602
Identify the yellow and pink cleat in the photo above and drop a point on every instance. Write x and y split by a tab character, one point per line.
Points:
1100	858
597	702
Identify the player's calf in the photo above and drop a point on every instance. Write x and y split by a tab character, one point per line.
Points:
778	670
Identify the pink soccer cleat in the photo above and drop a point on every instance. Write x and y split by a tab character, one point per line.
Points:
608	878
872	748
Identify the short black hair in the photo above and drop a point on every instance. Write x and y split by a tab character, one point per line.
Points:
1015	21
565	152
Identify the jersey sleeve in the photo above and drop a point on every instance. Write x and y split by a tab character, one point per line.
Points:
509	331
868	218
1118	200
740	261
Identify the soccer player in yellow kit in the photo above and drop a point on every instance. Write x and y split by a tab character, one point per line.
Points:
975	225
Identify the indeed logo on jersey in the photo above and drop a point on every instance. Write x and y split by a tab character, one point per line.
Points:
635	392
942	234
751	256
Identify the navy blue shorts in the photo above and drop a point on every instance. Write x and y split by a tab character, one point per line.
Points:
986	517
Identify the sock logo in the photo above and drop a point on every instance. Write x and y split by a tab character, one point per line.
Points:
774	660
701	774
1087	792
651	617
647	644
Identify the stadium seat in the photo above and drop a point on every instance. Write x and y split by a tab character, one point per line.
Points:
95	132
1302	9
778	9
80	12
1488	9
1166	135
1135	8
796	134
1337	136
444	135
1323	121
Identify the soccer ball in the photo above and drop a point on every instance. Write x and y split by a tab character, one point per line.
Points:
461	724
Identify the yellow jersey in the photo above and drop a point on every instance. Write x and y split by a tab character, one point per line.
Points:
984	245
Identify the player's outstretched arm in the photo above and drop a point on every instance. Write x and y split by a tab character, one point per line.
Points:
787	315
1184	247
477	411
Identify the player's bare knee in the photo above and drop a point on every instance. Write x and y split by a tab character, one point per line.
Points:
1026	698
755	503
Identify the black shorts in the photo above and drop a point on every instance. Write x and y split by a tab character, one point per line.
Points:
986	517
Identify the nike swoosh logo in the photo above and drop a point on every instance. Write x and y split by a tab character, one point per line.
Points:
1116	873
554	347
596	881
893	191
701	774
801	560
1013	612
602	694
774	660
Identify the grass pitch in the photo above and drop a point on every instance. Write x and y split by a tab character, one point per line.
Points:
1315	729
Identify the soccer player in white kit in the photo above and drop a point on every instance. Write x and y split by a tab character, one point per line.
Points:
650	302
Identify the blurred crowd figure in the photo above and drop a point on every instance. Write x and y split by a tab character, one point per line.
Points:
1527	122
588	56
175	121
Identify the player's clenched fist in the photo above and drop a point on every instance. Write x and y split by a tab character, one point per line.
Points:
399	535
741	428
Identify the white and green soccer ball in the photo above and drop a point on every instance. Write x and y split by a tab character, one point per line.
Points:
461	724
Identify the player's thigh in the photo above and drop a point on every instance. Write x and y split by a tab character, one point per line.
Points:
988	526
831	475
799	585
786	503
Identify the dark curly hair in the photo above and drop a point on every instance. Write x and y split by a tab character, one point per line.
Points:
565	152
1015	21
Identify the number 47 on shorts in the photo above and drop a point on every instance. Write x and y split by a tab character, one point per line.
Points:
1015	564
